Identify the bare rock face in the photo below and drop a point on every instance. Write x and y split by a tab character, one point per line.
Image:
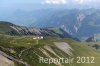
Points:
91	39
5	62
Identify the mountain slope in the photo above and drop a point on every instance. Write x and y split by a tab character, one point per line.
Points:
5	26
79	23
30	52
5	61
11	29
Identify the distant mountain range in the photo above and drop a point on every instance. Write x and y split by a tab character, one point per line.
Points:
79	23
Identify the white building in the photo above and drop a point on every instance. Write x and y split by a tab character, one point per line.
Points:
38	37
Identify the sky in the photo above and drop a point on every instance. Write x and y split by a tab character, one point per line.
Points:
37	4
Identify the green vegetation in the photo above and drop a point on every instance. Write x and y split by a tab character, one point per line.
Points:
57	30
4	27
14	45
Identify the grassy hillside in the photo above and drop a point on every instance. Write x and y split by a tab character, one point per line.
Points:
5	26
12	29
25	49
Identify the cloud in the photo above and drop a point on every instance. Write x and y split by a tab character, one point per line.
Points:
55	2
80	1
83	2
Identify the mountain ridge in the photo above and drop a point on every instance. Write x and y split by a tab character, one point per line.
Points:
30	31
